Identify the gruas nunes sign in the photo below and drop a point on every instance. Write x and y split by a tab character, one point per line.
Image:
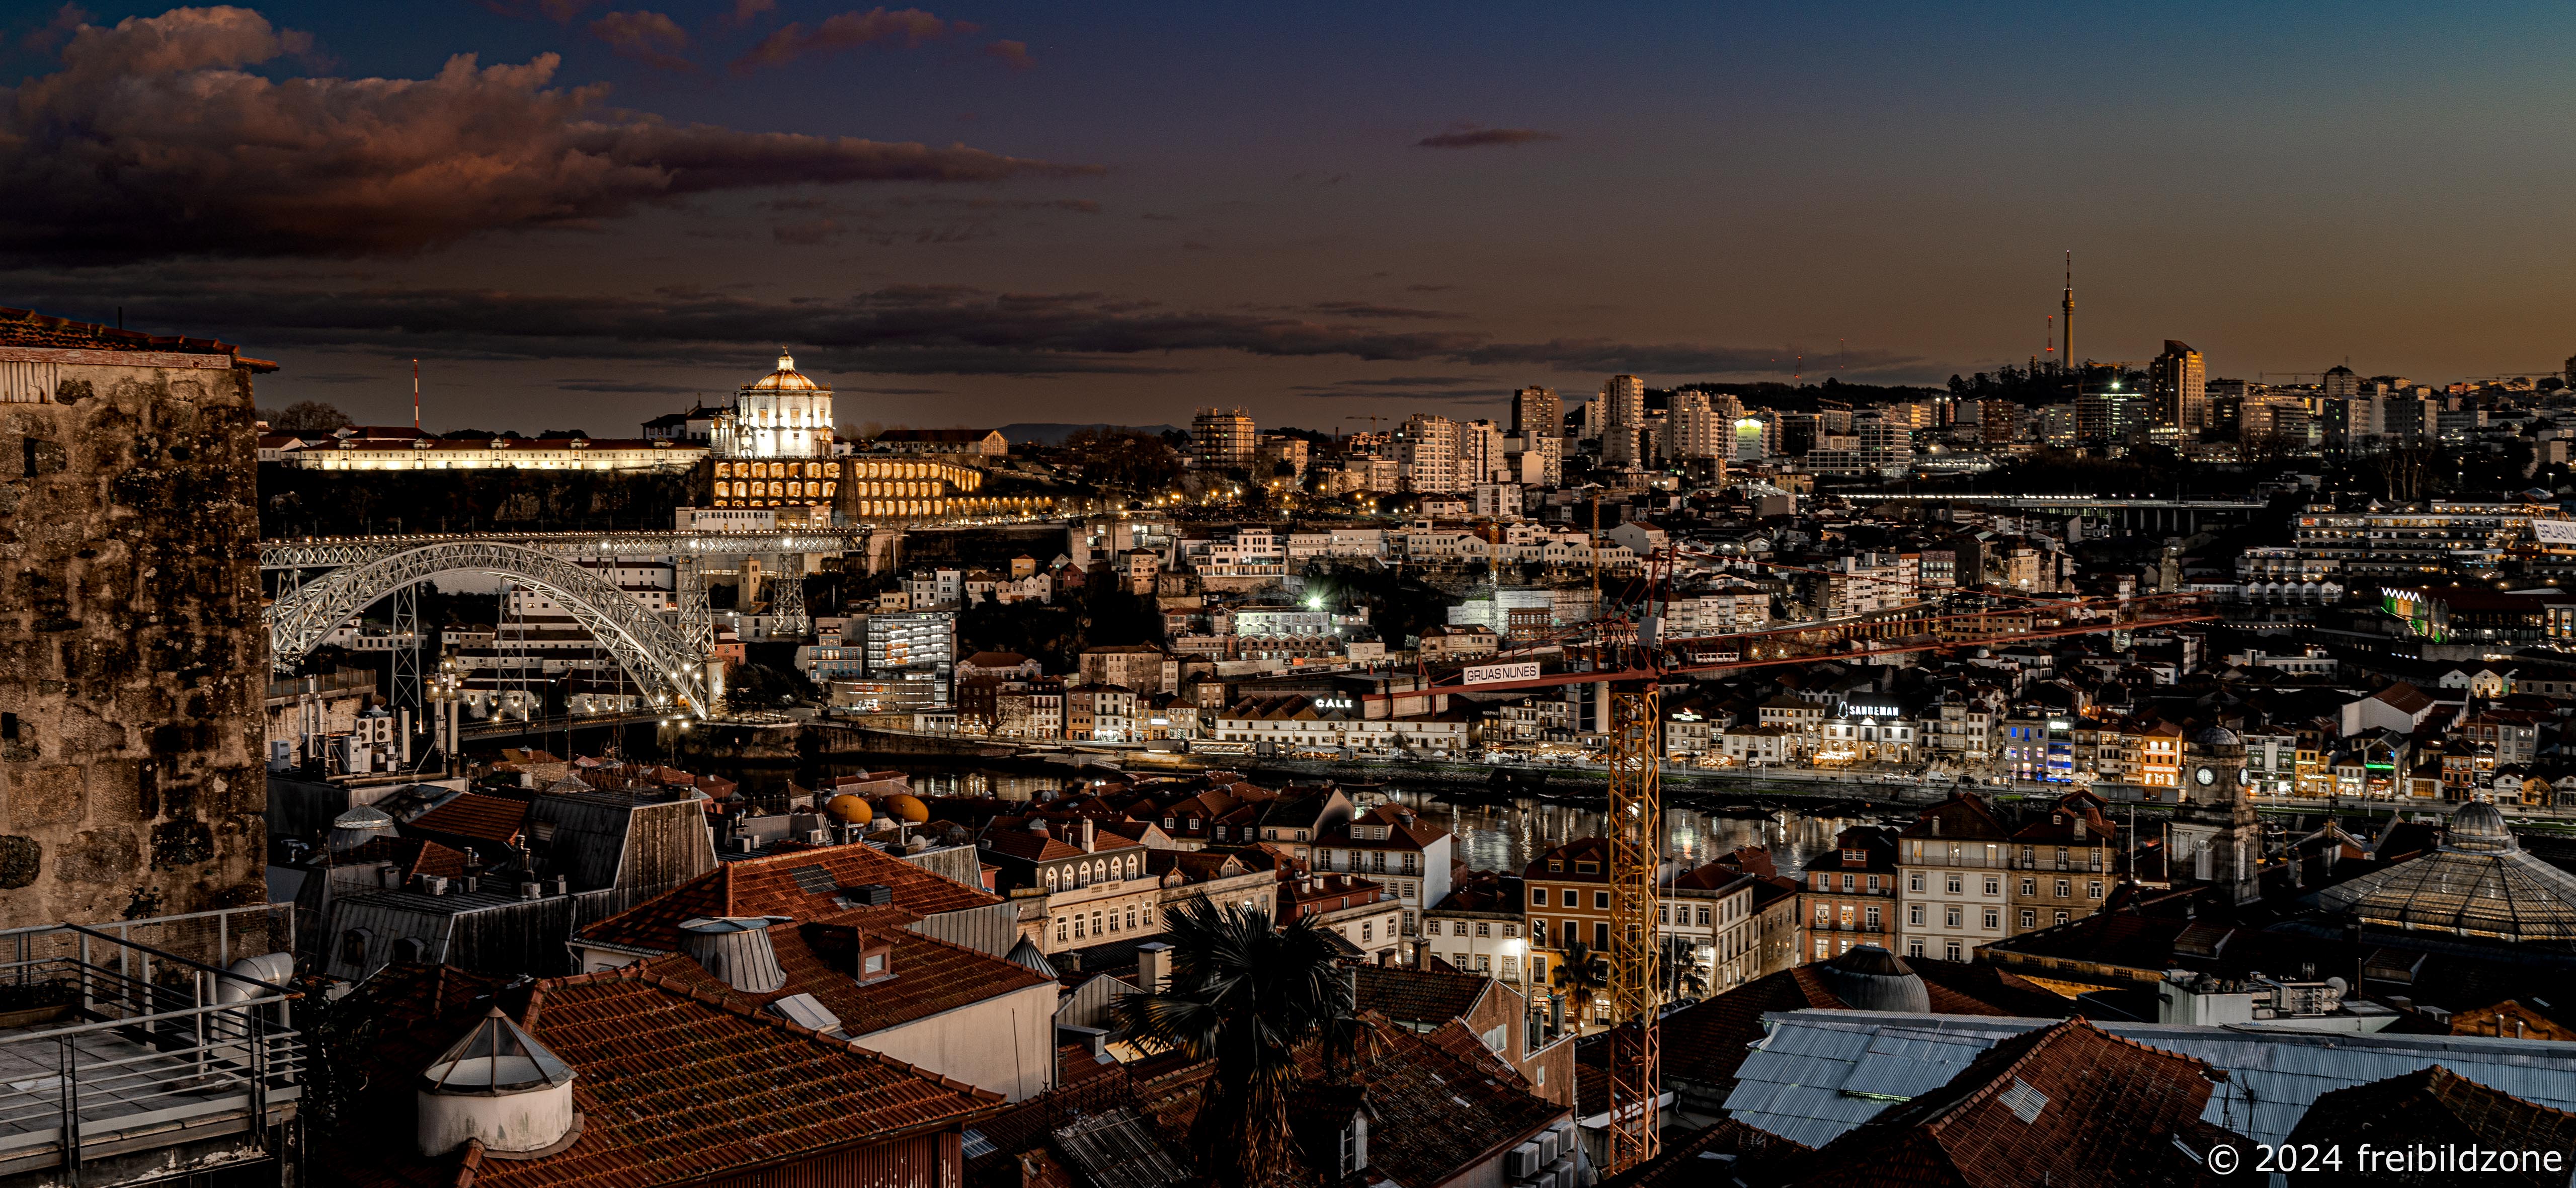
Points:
1487	674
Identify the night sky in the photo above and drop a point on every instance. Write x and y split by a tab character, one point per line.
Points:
584	214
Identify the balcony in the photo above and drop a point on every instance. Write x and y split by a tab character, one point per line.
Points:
127	1057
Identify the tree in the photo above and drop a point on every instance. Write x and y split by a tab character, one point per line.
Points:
307	416
1683	975
1583	977
1247	997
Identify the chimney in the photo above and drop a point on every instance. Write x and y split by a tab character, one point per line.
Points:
1090	842
1153	966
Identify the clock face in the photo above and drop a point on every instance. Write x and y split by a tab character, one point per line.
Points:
2240	777
2205	776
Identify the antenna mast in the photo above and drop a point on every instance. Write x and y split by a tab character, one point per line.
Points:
415	395
2067	327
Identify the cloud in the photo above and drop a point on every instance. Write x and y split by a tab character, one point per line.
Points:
906	329
934	218
1014	54
1471	136
1399	381
54	32
625	386
648	37
153	140
744	11
1364	309
847	31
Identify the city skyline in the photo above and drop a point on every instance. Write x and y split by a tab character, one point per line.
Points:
1356	214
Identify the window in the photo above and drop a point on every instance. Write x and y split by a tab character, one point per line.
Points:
1587	868
1573	898
1601	940
1848	882
1059	929
1914	948
1991	919
1511	930
1663	913
1950	952
1431	928
2093	889
1914	915
353	947
1914	882
2062	916
2029	918
2030	886
1703	916
1950	917
1872	911
1131	917
1538	897
1820	948
1556	866
1368	930
1601	901
1955	882
1873	884
1484	964
1994	885
1484	929
2065	889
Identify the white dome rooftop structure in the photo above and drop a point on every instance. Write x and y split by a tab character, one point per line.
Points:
2480	882
500	1086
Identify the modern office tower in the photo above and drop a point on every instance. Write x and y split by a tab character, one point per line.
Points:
1623	415
2180	383
1428	448
1223	437
2341	383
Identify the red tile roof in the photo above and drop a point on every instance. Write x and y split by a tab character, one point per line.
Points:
1418	995
2436	1107
769	886
674	1085
2066	1104
476	815
929	976
410	856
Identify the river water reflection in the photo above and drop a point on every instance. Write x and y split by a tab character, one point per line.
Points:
1490	836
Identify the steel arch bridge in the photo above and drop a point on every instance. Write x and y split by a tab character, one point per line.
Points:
659	659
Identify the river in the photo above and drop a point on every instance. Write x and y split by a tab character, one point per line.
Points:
1490	836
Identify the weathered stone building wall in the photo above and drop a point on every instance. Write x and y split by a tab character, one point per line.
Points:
132	658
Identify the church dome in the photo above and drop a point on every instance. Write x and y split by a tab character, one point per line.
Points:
785	379
1869	978
2480	828
2220	736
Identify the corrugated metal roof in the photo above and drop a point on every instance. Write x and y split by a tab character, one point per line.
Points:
1807	1079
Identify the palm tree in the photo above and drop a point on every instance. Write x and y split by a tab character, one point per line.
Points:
1248	997
1683	977
1582	977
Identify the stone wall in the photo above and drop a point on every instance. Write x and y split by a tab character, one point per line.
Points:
132	659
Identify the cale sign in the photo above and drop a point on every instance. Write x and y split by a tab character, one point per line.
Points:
1486	674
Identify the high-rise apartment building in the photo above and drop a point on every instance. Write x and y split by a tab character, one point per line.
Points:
1480	453
1623	416
1428	448
1223	437
2181	388
1538	427
1698	428
2340	383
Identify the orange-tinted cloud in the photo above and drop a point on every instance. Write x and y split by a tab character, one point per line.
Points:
847	31
153	140
648	37
1014	54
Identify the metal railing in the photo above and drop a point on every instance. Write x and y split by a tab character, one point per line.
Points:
149	1047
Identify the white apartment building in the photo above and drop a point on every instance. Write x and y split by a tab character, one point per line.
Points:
1428	448
1951	866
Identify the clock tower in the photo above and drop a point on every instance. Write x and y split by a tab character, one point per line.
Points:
2214	837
